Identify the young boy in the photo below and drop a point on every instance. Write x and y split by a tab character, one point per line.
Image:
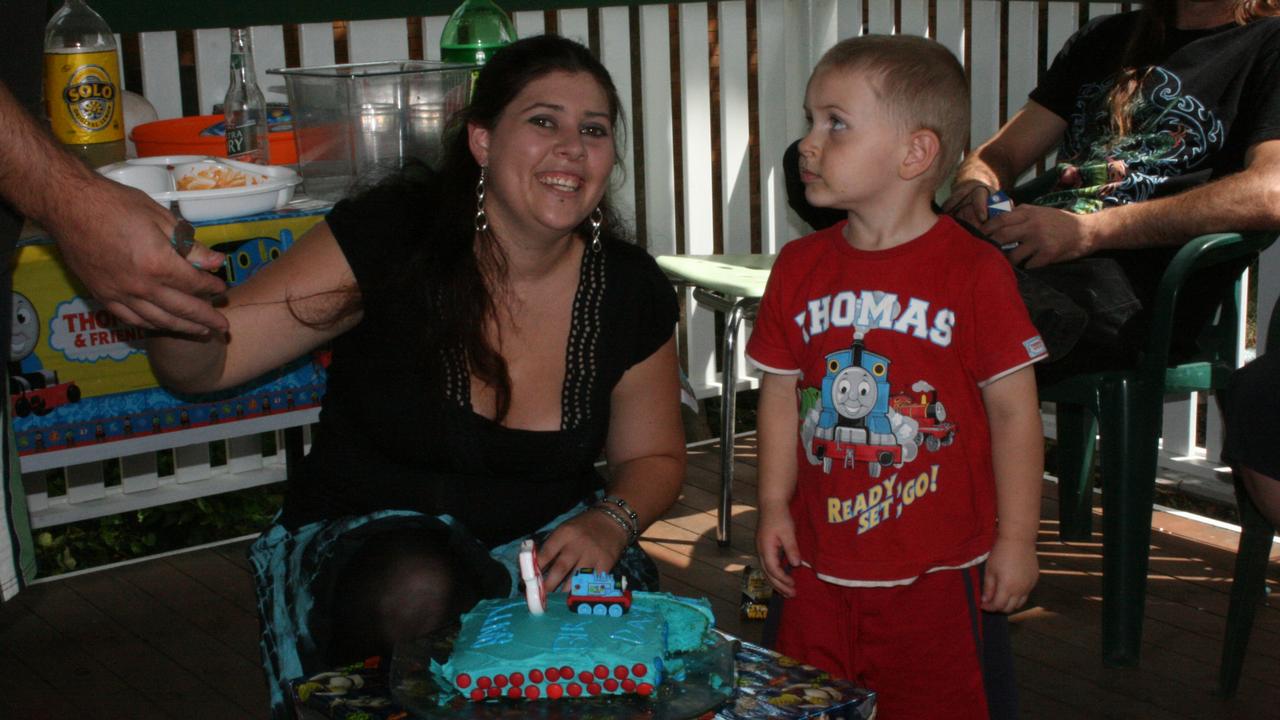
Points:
896	344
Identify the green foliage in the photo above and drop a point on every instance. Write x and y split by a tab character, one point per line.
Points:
90	543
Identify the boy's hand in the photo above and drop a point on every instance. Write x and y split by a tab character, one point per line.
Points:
776	542
1012	570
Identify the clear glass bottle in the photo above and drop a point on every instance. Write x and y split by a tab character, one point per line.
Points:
474	32
82	84
244	108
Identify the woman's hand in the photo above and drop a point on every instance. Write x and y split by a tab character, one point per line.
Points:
591	539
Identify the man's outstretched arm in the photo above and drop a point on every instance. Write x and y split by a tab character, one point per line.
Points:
114	238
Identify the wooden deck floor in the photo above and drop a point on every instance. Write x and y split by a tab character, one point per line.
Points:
176	637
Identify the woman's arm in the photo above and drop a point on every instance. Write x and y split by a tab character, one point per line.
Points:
312	279
646	453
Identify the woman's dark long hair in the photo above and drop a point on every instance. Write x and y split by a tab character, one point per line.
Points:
1146	44
456	273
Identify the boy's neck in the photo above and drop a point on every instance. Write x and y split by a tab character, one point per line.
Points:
889	224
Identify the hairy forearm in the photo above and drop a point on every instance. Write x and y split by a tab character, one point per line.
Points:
36	173
987	165
1248	200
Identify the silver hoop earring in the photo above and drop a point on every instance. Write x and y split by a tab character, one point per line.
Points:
597	219
482	220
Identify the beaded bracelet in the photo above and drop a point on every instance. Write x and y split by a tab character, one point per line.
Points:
622	522
624	507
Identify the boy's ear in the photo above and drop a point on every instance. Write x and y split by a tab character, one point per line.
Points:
923	147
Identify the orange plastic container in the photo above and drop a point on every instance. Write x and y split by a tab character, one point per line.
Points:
181	136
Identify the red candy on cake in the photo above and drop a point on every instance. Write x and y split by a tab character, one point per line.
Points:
517	678
585	677
644	689
602	672
463	680
513	692
620	672
532	692
639	670
500	680
594	688
554	691
477	695
575	689
535	675
611	685
483	682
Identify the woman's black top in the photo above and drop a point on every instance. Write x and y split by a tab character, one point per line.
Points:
386	441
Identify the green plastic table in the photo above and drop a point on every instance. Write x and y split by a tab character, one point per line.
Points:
733	285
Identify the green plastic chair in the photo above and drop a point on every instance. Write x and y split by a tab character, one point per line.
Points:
1124	409
1252	556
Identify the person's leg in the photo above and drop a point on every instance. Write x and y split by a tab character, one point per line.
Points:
1250	405
400	584
921	647
814	629
998	676
403	582
1265	491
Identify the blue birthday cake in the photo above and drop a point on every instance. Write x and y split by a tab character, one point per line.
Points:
573	649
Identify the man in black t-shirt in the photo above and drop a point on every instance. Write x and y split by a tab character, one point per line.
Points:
1195	149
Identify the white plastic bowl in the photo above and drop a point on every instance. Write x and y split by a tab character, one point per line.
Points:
158	177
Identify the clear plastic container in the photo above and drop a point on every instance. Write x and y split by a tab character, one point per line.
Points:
355	123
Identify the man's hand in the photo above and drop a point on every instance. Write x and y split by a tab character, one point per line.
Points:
1012	571
1042	236
115	239
968	202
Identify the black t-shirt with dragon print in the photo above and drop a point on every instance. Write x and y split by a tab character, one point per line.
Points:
1212	94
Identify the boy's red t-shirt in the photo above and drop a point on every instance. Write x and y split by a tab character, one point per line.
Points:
895	476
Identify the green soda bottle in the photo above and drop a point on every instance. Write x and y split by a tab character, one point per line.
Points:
474	32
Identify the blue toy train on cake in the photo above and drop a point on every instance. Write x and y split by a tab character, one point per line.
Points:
598	593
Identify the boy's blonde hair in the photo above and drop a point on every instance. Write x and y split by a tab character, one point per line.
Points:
919	82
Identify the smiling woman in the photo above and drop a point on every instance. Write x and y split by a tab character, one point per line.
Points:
492	334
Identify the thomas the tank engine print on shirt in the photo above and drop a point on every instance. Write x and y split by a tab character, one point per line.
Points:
859	421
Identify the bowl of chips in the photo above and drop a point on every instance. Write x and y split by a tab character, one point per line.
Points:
207	188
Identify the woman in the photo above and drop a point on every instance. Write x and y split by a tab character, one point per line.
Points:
491	335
